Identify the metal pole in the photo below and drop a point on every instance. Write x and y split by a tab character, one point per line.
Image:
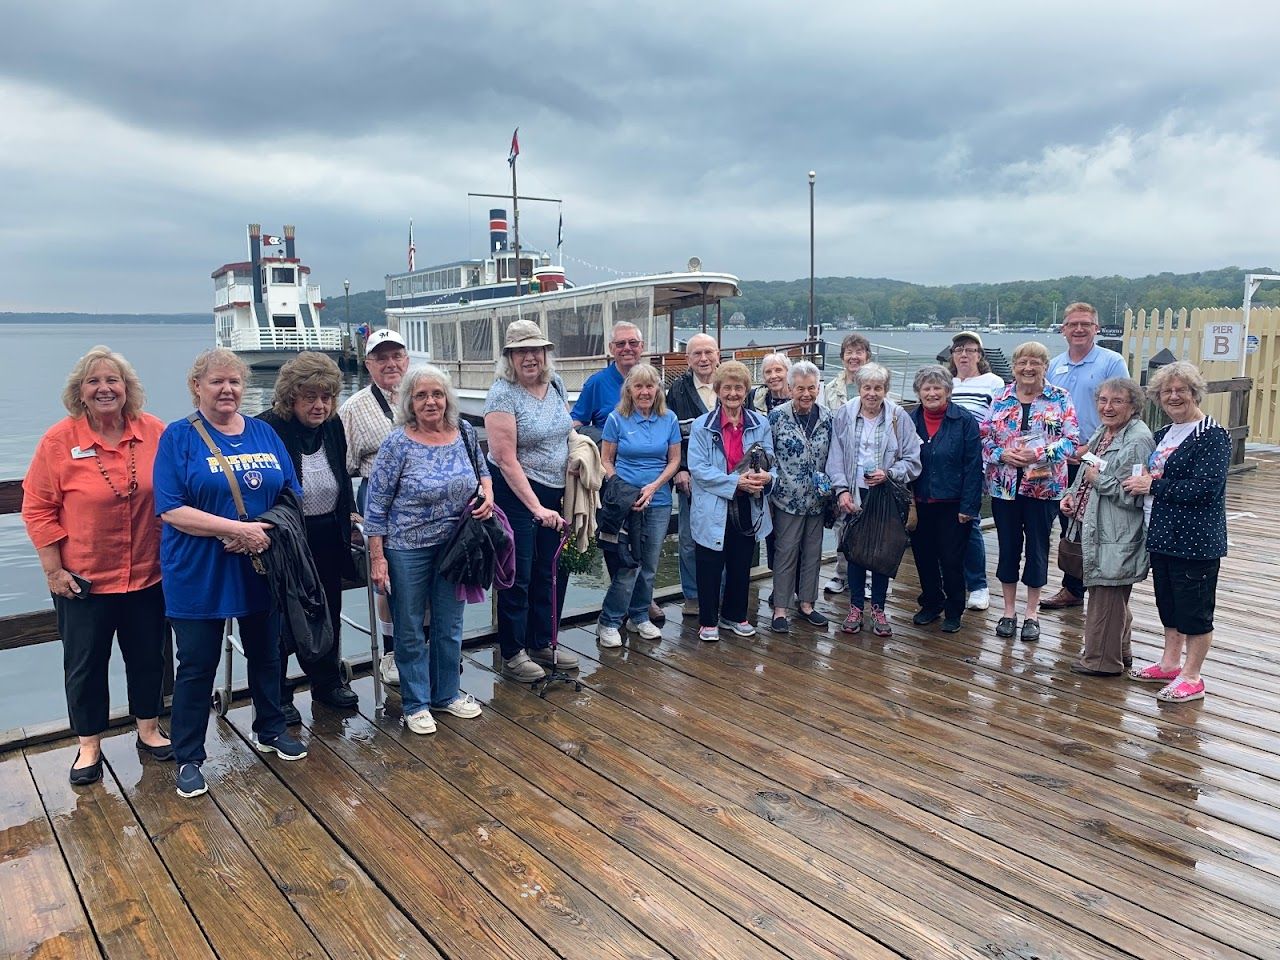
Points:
346	294
515	220
812	177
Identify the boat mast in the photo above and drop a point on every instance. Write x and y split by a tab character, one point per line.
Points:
515	205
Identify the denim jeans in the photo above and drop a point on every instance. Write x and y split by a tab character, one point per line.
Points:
199	653
975	558
525	611
631	590
688	565
858	587
428	676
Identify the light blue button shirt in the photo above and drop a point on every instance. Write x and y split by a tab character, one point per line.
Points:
1082	379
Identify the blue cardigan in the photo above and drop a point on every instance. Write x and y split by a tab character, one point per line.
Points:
951	462
1189	503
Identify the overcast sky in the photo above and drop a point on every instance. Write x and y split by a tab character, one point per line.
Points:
953	141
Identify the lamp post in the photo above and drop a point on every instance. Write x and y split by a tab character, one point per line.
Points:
346	294
812	177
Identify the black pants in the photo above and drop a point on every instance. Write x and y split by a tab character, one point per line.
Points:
1023	523
1074	584
732	565
86	626
525	611
938	544
328	552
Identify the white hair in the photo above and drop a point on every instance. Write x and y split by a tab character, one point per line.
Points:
404	403
801	368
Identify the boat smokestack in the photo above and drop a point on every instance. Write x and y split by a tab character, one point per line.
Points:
288	241
255	259
497	230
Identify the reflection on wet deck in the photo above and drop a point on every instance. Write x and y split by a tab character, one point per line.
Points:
813	795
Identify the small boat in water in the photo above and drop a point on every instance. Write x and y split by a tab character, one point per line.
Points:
265	308
456	314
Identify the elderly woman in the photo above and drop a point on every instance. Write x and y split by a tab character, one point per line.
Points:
1026	440
730	450
855	350
973	387
304	413
528	424
801	440
425	475
774	390
640	445
1185	490
89	510
1110	521
948	495
206	553
872	441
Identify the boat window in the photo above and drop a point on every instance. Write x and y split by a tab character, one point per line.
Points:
477	338
283	320
577	331
661	333
282	274
444	340
507	319
637	311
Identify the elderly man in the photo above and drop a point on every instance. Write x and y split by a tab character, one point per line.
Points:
367	417
602	390
1079	371
690	397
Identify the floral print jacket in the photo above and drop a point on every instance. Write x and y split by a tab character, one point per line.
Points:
798	457
1052	412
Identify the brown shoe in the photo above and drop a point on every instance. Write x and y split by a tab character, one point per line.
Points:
656	615
1061	600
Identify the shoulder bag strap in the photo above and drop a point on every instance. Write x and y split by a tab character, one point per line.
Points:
382	402
468	442
196	422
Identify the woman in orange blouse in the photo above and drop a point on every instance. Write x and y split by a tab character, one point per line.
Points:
89	510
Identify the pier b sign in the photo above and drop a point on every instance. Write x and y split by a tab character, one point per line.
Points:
1222	341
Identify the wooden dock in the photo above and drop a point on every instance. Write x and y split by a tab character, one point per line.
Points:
809	796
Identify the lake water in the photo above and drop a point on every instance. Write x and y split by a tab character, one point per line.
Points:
31	677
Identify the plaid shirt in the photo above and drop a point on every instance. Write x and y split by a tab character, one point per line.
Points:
366	426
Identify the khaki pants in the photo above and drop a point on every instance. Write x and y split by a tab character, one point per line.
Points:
1108	628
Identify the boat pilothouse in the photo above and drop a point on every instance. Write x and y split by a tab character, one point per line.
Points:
466	281
265	308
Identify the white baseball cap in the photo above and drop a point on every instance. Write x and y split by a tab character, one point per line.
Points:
379	337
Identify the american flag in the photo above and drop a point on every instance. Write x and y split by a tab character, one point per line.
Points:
515	147
412	250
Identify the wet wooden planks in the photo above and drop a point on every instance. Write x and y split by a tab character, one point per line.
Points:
811	795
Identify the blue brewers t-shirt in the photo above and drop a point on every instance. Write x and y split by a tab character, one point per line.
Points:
202	580
642	448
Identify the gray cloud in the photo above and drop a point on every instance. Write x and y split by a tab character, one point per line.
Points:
953	141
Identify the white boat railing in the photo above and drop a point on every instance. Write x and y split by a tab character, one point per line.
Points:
284	338
237	293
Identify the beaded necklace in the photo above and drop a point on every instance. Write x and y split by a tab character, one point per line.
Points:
133	474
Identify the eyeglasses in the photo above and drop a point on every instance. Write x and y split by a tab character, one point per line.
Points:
628	343
388	356
1079	324
966	349
1176	392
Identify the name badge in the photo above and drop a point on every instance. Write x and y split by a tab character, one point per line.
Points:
78	454
1061	370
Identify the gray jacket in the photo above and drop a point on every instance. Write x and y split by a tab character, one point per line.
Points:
899	457
1113	541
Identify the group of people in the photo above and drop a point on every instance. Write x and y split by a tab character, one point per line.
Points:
221	516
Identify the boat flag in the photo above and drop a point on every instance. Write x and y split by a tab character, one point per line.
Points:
270	241
412	250
560	232
515	147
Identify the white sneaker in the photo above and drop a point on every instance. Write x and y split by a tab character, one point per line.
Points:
978	600
608	636
423	722
388	670
834	585
743	629
463	705
647	630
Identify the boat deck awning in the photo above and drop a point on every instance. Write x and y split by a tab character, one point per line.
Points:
692	293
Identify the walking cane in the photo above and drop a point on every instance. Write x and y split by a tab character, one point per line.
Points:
556	674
